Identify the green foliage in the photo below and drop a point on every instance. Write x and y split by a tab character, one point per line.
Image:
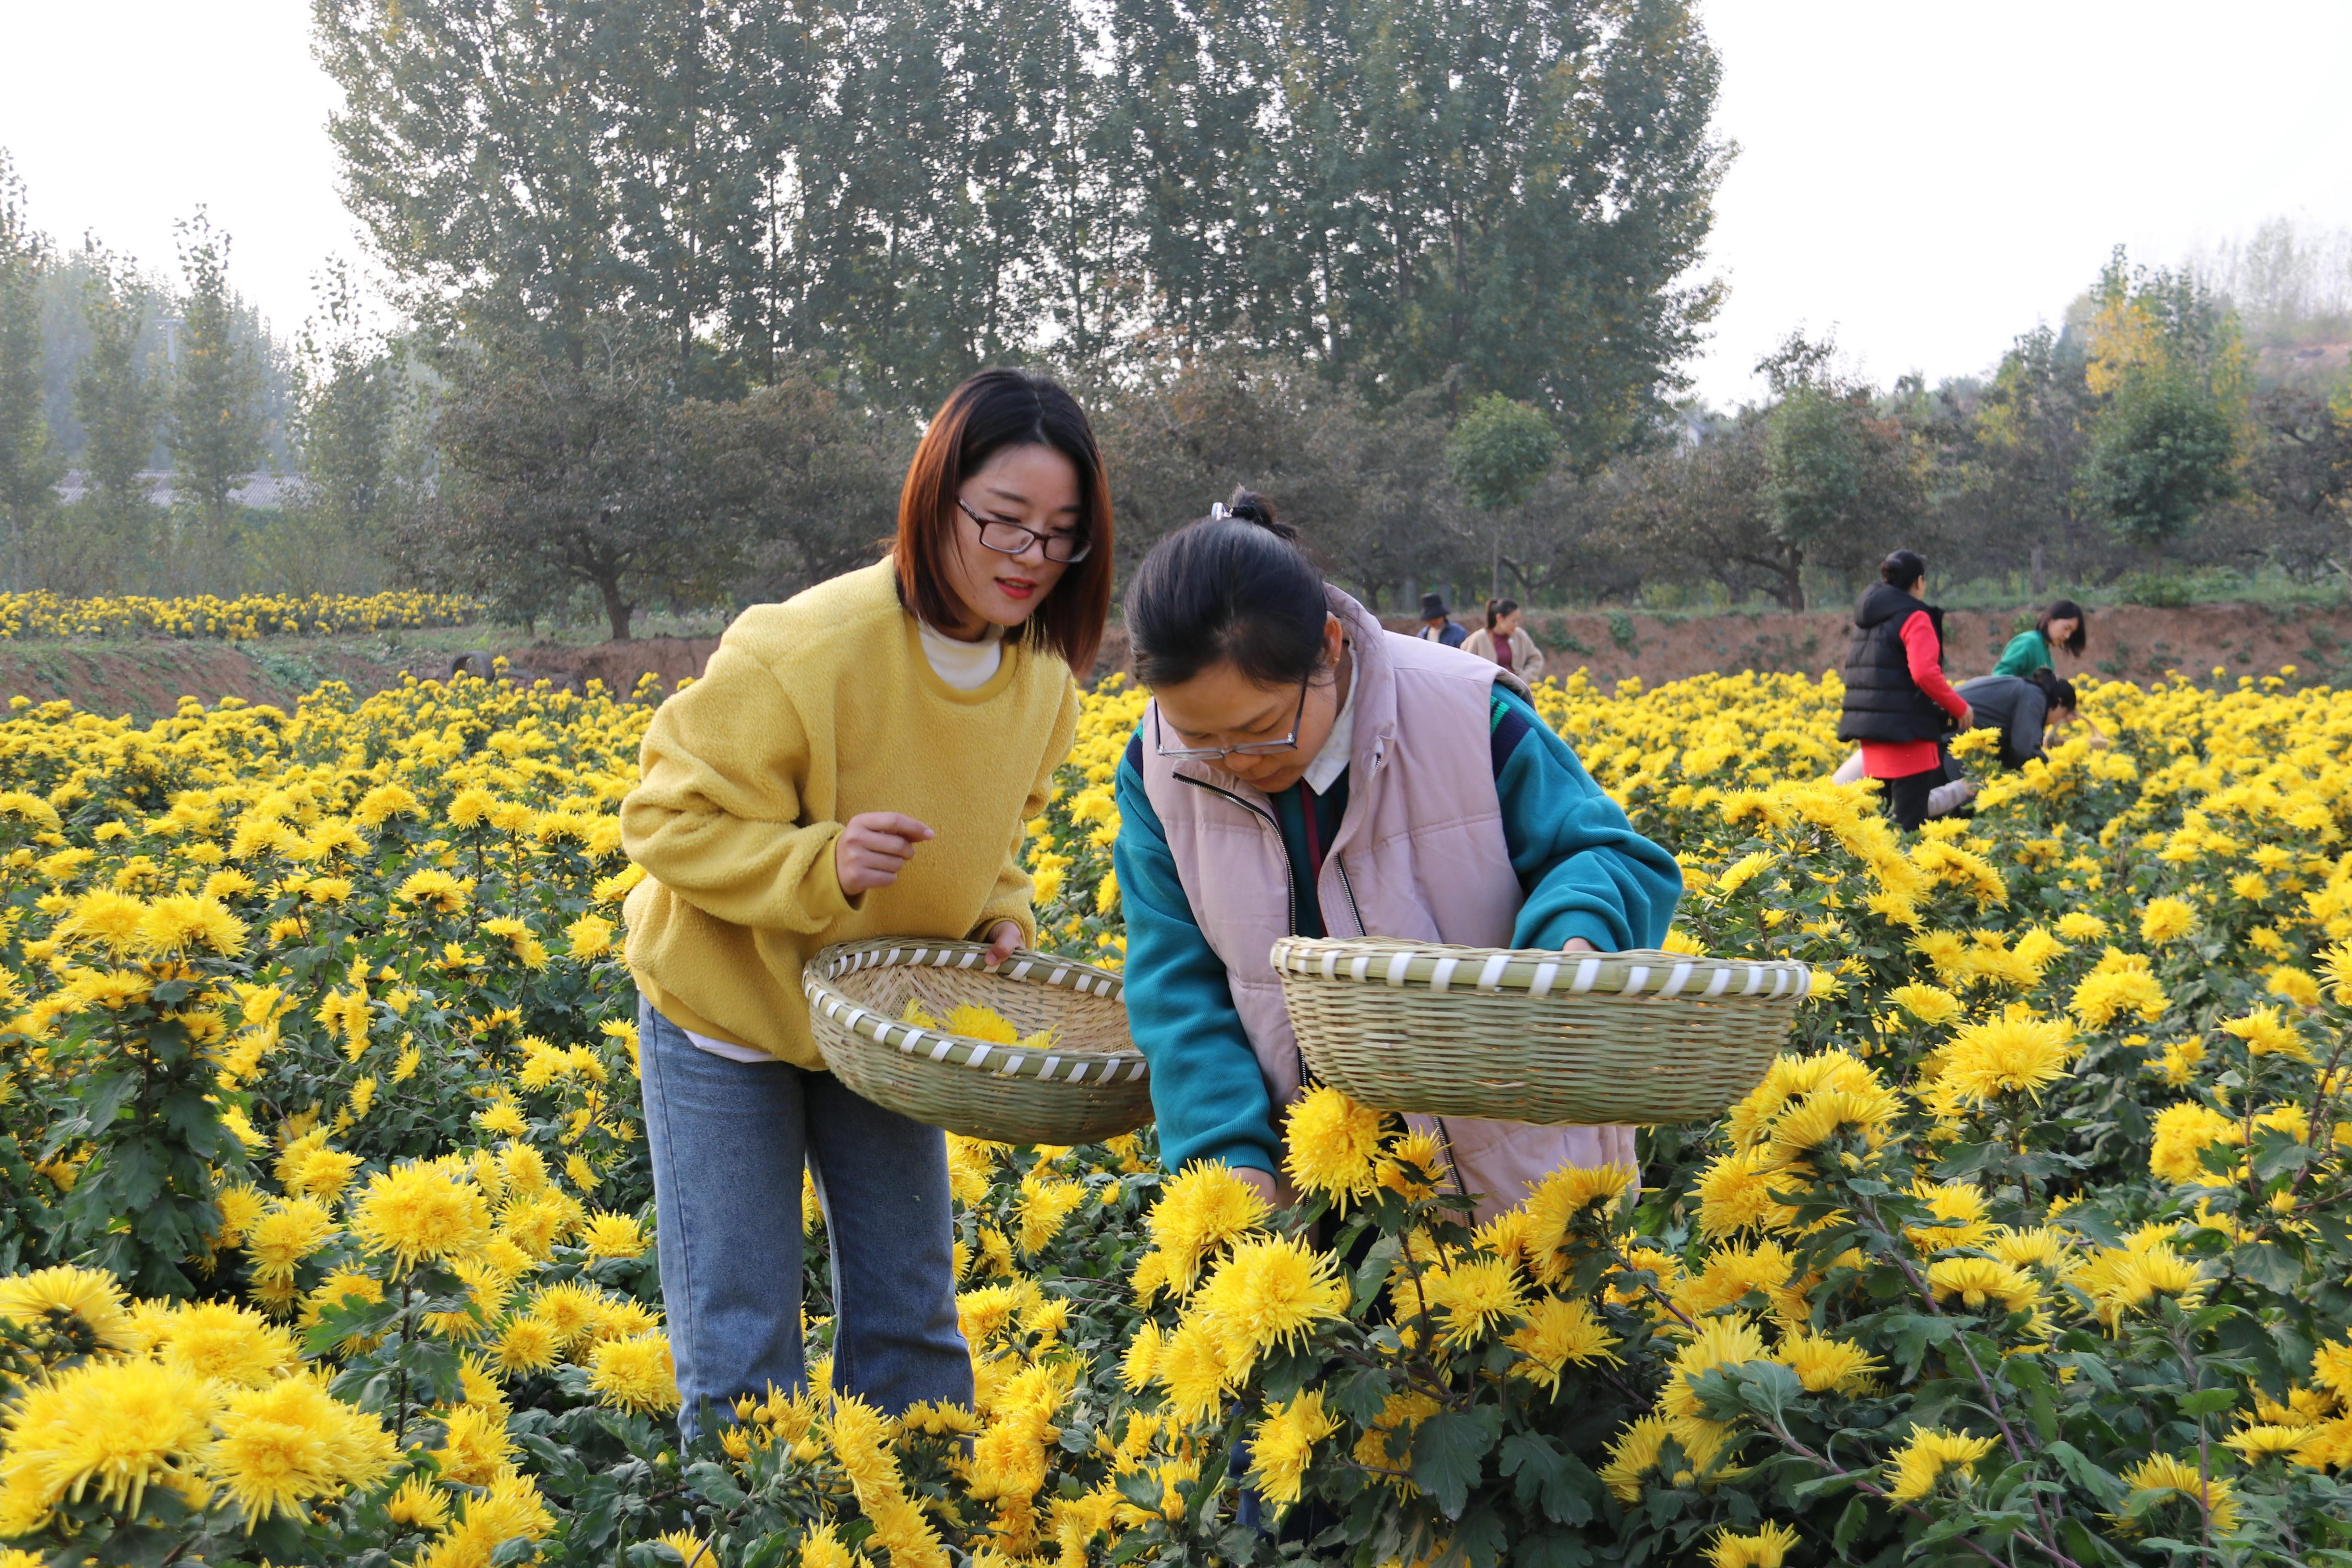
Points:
564	477
214	414
1398	194
1499	452
29	462
2162	454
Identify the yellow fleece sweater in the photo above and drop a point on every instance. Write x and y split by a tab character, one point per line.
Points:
810	712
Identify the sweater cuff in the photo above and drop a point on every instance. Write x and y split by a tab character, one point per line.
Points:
819	891
1240	1153
1581	923
1025	918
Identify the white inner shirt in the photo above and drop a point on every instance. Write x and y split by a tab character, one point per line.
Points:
1338	747
967	667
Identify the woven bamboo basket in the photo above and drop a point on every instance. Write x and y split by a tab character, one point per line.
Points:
1092	1085
1561	1038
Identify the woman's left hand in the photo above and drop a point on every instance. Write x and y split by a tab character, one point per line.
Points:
1002	937
1578	944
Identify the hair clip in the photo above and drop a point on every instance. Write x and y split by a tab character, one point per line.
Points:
1217	510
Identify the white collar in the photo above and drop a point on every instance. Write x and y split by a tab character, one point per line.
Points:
1339	745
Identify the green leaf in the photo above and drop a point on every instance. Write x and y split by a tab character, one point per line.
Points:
1548	1477
2100	1483
1550	1549
2207	1401
1373	1273
1447	1452
1849	1524
2267	1266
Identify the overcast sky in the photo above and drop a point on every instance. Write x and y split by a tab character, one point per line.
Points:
1929	180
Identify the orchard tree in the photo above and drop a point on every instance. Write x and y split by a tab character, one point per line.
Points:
596	477
1842	484
2171	435
1366	486
1499	454
2017	452
1695	510
804	481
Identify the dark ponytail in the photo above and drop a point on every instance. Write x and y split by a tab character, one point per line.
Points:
1233	588
1497	608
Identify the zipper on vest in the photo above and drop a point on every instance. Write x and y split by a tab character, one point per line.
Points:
1289	885
1350	888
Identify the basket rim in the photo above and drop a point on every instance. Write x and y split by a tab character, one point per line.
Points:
950	1049
1443	968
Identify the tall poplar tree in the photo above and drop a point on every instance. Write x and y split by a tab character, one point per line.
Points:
118	396
30	464
214	425
1405	195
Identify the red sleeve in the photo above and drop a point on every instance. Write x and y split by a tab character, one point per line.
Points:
1926	657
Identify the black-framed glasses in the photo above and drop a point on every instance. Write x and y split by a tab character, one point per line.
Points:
1009	538
1249	748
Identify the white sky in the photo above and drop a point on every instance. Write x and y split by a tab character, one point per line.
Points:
1931	178
1927	179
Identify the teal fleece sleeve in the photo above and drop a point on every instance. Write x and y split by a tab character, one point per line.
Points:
1583	869
1206	1091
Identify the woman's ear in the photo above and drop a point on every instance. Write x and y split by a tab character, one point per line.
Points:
1335	637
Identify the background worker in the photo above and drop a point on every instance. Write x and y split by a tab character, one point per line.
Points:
1897	702
1437	623
2060	626
2024	710
1502	640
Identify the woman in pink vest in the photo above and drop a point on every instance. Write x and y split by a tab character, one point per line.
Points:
1301	770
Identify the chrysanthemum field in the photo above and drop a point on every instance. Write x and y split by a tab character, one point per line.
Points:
245	618
327	1226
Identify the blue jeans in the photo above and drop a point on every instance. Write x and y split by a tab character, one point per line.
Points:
728	1140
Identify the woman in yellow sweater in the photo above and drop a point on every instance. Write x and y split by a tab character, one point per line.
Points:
857	762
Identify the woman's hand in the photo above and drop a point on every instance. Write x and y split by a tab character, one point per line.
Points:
1257	1180
1002	937
1968	717
1578	944
872	849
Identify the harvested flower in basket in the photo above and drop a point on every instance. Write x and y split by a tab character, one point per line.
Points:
979	1024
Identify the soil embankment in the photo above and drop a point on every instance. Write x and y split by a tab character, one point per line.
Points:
147	679
2127	642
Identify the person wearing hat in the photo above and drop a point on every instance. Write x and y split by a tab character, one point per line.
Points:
1437	625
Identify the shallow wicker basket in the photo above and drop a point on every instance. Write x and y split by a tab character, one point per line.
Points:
1562	1039
1092	1085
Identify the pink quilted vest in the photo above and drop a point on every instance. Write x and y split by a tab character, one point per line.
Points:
1419	856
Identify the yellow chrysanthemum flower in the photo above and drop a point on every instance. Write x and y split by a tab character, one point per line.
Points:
1931	1454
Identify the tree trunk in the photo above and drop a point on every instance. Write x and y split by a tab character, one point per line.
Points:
616	611
2041	578
1793	584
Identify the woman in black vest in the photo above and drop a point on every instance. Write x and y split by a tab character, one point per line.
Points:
1897	702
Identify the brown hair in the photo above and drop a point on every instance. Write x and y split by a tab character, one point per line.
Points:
1497	608
992	411
2065	610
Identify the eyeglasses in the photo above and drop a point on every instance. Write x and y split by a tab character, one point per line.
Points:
1009	538
1251	749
